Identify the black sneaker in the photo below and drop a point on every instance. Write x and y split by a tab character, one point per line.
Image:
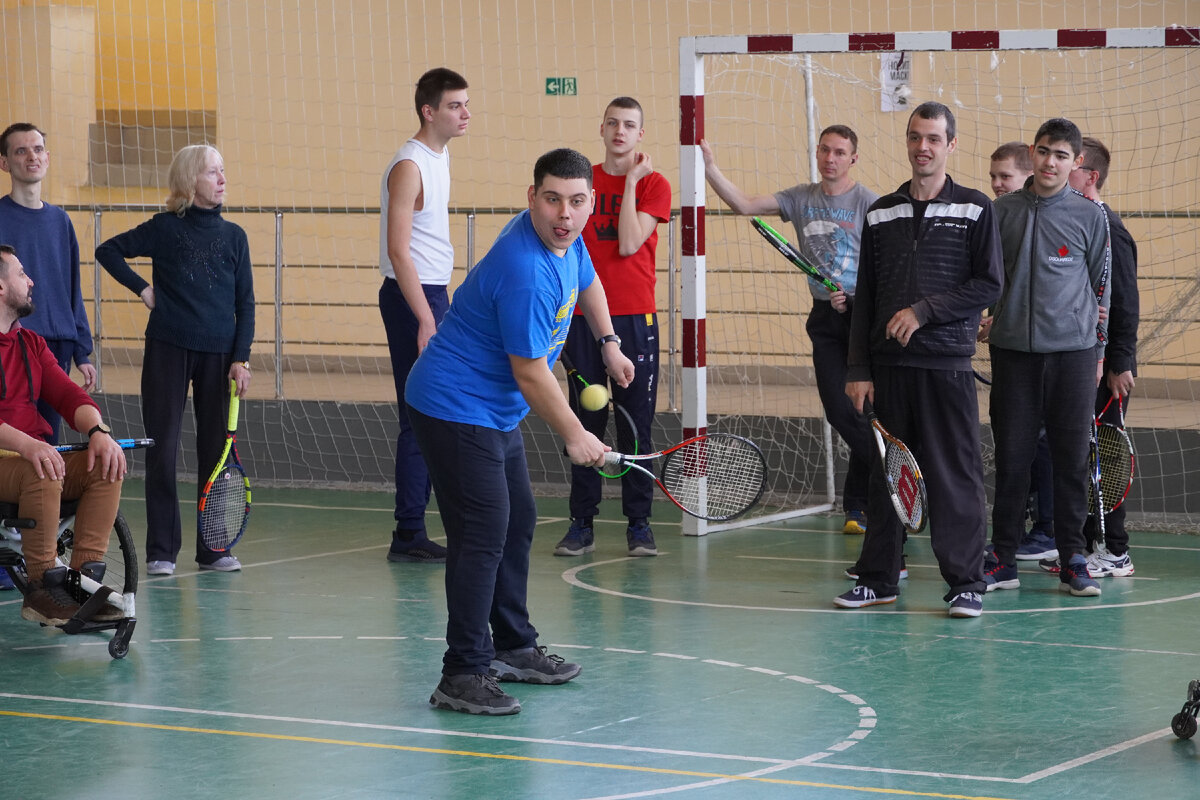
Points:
48	601
532	666
473	694
414	546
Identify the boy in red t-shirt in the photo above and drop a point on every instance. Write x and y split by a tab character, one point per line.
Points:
621	237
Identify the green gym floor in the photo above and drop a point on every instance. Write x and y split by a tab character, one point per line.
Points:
719	669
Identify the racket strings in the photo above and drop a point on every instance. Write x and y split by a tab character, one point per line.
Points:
224	509
1115	457
717	478
904	475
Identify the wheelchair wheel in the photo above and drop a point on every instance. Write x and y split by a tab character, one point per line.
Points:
121	572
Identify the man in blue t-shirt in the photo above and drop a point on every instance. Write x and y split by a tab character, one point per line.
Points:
485	368
44	236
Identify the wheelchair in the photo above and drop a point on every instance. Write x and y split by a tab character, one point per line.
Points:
117	587
1183	724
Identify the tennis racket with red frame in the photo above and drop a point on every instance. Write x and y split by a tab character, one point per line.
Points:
906	486
1113	461
224	508
716	476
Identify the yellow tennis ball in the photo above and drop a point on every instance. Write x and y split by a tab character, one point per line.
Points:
594	397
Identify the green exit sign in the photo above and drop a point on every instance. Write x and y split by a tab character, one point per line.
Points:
562	86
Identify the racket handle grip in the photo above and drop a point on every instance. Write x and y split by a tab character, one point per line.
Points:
613	459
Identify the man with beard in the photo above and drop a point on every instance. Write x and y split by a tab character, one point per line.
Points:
39	477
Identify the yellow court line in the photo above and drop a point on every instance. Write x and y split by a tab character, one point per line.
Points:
501	756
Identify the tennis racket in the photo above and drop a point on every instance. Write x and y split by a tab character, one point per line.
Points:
619	431
1112	452
224	508
125	444
905	485
792	254
717	476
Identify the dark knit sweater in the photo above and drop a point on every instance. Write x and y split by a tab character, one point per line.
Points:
203	283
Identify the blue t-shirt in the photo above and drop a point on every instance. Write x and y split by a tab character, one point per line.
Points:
517	301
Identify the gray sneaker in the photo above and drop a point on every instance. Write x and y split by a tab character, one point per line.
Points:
473	694
224	564
532	666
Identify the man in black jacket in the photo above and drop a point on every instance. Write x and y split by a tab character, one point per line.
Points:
930	263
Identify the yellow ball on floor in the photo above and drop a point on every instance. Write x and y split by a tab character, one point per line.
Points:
594	397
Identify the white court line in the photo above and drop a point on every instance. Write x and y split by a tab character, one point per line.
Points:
395	728
571	577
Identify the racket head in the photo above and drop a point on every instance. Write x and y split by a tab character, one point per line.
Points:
902	473
1115	465
621	435
224	508
716	477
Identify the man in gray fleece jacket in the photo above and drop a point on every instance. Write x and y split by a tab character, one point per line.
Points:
1047	348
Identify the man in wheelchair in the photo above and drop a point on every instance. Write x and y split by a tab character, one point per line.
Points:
38	476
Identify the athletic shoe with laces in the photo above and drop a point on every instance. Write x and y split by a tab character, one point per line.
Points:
160	567
1037	545
852	572
473	694
48	600
579	539
415	547
1074	578
640	538
861	596
1103	564
223	564
533	665
1051	565
856	523
999	576
966	604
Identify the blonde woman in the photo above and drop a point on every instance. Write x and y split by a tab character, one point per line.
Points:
201	301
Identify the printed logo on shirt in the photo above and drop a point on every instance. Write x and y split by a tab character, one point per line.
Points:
1064	255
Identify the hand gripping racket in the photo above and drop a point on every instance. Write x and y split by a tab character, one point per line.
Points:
792	254
619	433
224	508
905	485
717	476
1112	461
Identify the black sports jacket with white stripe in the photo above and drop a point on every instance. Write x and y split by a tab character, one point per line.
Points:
947	266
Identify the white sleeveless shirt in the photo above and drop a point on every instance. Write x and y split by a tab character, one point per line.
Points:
431	250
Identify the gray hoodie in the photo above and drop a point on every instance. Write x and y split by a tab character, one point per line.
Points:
1056	267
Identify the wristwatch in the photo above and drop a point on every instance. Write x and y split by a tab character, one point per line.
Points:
612	337
243	364
101	428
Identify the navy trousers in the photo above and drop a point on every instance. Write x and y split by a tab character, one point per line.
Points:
481	480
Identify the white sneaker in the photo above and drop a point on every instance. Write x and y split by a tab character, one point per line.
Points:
223	564
160	567
1103	564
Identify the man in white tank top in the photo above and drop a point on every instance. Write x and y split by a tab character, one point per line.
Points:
416	259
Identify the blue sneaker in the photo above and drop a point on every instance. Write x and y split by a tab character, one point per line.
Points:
999	576
6	583
966	604
1037	545
579	539
1074	578
640	538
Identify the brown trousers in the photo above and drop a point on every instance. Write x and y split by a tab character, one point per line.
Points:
39	500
